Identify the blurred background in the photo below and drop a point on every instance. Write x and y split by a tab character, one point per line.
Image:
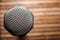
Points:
46	19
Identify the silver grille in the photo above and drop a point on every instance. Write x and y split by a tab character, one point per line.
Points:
18	20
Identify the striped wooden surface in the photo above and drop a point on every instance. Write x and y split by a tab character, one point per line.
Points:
46	19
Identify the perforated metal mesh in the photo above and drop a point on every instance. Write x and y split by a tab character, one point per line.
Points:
18	20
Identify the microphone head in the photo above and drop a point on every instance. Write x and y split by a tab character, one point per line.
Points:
18	21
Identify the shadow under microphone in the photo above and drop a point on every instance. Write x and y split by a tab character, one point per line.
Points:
18	21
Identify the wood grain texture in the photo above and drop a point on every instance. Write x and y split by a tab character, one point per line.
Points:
46	19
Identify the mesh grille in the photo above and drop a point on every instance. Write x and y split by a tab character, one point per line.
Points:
18	20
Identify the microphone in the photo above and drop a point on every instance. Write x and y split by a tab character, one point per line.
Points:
18	21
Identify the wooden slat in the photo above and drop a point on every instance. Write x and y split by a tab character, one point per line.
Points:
34	30
43	9
37	14
41	17
27	2
46	25
34	34
42	21
44	5
33	38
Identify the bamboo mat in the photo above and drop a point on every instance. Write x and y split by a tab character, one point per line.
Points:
46	19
